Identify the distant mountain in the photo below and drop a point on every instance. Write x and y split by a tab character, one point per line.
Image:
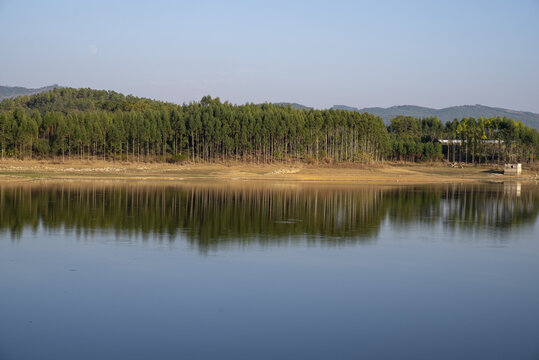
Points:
445	114
344	107
293	105
15	91
448	114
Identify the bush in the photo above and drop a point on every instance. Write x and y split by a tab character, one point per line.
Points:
178	158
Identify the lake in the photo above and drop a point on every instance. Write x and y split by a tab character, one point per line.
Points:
126	270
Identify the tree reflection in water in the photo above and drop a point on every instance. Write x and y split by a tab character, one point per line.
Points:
216	215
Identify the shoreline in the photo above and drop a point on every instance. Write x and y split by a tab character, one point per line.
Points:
361	174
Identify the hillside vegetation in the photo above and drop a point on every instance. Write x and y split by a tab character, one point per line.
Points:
85	123
16	91
450	113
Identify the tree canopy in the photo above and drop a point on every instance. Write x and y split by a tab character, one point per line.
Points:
87	123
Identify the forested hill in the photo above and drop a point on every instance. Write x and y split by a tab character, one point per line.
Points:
445	114
15	91
293	105
87	124
69	100
448	114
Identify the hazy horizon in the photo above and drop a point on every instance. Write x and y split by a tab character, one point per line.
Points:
357	54
286	102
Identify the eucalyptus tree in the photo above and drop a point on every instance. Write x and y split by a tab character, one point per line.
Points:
107	124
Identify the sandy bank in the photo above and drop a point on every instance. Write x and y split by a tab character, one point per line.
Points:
388	173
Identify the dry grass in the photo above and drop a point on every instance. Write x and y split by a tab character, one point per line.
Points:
387	173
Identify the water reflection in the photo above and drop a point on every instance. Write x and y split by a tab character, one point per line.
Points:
215	215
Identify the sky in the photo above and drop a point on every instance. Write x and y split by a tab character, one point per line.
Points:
317	53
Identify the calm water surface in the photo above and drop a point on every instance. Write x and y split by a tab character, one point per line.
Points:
280	271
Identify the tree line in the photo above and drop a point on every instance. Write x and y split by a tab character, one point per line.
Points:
89	124
493	140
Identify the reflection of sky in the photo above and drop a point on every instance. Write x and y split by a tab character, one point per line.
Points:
420	291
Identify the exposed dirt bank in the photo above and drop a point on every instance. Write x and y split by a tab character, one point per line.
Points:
386	174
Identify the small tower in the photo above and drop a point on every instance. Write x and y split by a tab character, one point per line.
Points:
512	169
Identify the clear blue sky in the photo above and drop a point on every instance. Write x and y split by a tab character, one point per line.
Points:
357	53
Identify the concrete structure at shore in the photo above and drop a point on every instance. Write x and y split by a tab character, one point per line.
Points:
512	169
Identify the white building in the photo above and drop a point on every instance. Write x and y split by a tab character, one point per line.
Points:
512	169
